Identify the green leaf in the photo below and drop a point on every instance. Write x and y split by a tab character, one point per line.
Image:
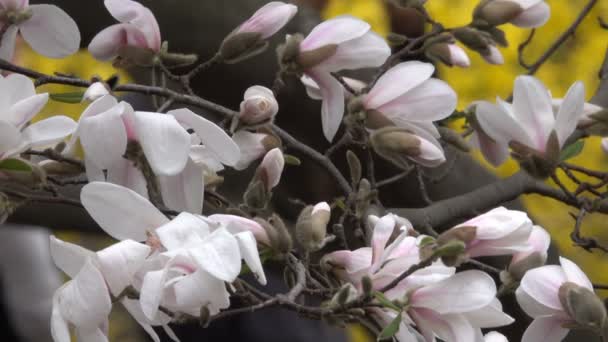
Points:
572	150
12	164
70	97
391	329
385	301
291	160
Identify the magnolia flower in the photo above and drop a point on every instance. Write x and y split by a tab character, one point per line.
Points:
95	91
547	293
137	29
20	104
253	146
407	97
530	120
343	43
258	106
268	20
500	231
46	28
522	13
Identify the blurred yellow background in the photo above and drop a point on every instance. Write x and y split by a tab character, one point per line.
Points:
578	59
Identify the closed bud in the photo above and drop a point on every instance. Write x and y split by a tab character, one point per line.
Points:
496	13
396	39
347	293
465	234
397	145
270	170
448	54
454	139
354	165
473	38
240	46
451	248
311	227
281	240
256	195
582	305
258	106
493	55
518	269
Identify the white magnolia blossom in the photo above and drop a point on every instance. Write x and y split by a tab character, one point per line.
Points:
20	104
408	97
138	28
356	46
46	28
539	296
530	120
269	19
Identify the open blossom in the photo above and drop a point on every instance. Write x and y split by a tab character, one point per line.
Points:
46	28
522	13
407	96
544	295
500	231
530	120
343	43
137	29
269	19
259	105
20	104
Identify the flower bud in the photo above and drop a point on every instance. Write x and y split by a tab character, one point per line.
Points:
397	145
270	170
347	293
95	91
582	305
493	55
452	253
269	19
280	239
354	164
256	195
237	47
259	106
448	53
533	260
311	227
496	13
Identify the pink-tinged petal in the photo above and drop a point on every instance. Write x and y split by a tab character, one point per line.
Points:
532	109
165	142
201	289
140	17
538	241
259	105
497	223
369	50
500	125
152	292
463	292
103	137
570	112
219	255
489	316
251	147
542	284
431	100
106	44
25	110
7	46
121	212
236	224
269	19
14	4
214	138
312	88
69	257
50	31
332	109
119	263
249	252
48	131
546	329
85	301
430	155
495	153
397	81
351	261
10	137
383	229
493	56
575	274
532	307
185	230
272	166
124	172
534	16
184	191
334	31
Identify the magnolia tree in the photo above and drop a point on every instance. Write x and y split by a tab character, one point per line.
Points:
149	177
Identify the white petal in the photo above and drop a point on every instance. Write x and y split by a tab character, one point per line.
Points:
383	229
69	257
489	316
140	17
532	109
201	289
152	292
121	212
104	138
546	329
24	110
397	81
59	326
166	144
570	112
50	31
334	31
120	262
98	106
532	307
19	88
10	137
132	306
237	224
464	291
214	138
500	125
494	336
184	191
272	165
369	50
48	131
575	274
7	46
542	284
183	231
332	109
249	252
219	255
123	172
107	43
312	88
251	147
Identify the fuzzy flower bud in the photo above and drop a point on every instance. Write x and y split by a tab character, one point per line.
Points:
259	106
534	256
271	168
583	305
397	145
311	227
522	13
447	52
